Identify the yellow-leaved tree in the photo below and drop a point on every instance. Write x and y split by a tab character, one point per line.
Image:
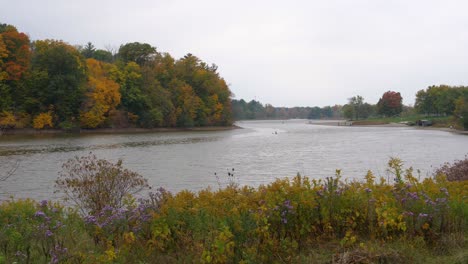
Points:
43	120
102	95
7	120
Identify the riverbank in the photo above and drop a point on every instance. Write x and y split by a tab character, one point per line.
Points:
383	124
31	131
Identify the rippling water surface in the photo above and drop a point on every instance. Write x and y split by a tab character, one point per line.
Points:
258	153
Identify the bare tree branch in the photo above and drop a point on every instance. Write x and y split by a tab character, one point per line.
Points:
7	174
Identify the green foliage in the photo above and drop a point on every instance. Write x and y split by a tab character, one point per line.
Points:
356	108
461	110
42	232
242	110
439	100
140	53
65	75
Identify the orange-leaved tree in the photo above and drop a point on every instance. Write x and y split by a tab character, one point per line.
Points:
102	95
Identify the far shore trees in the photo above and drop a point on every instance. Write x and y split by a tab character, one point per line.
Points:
390	104
357	109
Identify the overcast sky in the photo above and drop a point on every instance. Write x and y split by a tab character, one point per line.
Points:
286	53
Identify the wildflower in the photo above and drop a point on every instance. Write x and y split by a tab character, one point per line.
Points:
20	254
445	191
368	190
39	214
90	219
421	215
43	203
441	200
408	213
48	233
413	195
429	202
287	204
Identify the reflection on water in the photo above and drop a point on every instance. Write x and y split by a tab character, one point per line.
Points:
9	151
261	152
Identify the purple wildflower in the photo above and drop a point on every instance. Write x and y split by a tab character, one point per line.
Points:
39	214
287	204
90	219
421	215
43	203
445	191
413	195
48	233
408	213
368	190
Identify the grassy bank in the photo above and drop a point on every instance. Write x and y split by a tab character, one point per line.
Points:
297	220
438	121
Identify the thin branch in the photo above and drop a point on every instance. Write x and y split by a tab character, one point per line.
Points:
10	172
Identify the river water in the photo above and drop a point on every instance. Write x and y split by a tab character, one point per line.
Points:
258	153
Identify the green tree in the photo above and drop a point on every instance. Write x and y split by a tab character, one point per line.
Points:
88	50
461	111
137	52
103	55
64	76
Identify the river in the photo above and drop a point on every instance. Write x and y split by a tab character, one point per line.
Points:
258	153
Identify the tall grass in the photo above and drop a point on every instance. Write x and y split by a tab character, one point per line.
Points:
298	220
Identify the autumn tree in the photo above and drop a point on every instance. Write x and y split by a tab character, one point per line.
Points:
390	104
102	95
187	104
137	87
43	120
15	54
7	120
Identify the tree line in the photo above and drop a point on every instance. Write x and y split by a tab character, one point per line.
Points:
242	110
390	104
444	100
52	84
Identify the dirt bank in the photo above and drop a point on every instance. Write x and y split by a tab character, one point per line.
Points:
30	131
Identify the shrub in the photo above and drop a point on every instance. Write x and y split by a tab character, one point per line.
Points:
7	120
43	120
93	183
458	171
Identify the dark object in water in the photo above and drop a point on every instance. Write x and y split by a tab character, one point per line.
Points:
424	122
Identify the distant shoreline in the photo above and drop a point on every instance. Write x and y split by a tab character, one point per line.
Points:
350	123
32	131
